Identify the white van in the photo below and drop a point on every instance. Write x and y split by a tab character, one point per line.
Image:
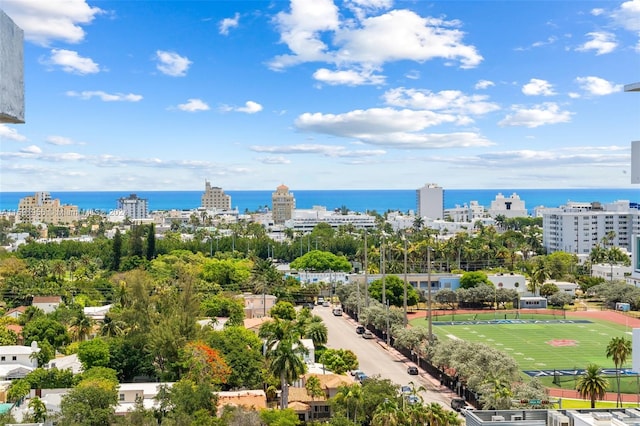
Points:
337	312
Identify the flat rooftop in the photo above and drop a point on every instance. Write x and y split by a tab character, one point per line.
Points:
633	87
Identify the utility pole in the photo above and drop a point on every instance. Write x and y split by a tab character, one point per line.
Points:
429	320
366	267
406	319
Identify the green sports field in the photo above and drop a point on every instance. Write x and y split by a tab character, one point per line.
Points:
540	345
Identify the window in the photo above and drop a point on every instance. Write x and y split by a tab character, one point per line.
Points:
14	358
3	359
121	397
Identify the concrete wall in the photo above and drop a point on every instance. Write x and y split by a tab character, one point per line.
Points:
11	71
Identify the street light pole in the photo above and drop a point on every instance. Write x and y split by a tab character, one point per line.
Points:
406	319
366	267
429	319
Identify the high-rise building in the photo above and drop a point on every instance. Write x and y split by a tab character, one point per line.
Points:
42	208
215	198
134	207
11	71
283	204
430	201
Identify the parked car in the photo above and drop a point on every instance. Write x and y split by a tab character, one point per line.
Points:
337	312
458	404
326	304
413	399
320	300
413	370
360	329
354	372
361	377
368	335
309	306
406	389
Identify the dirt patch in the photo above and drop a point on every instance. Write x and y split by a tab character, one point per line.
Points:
562	342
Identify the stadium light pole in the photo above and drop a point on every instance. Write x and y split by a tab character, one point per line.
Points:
366	267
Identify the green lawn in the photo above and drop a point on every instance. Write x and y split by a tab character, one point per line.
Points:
529	344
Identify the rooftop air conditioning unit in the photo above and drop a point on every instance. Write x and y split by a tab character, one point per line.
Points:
497	418
517	417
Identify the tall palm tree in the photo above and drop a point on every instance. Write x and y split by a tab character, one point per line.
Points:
388	414
82	326
619	349
284	351
314	388
317	331
592	385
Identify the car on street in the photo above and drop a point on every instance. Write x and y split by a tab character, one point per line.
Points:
413	370
354	372
360	329
320	300
406	389
337	312
367	335
458	404
413	399
361	377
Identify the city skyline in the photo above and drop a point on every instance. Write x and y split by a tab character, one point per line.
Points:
359	94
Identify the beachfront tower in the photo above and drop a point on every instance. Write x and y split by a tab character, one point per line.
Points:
214	198
283	204
430	201
11	71
134	207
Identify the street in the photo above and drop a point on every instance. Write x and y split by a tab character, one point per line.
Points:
374	359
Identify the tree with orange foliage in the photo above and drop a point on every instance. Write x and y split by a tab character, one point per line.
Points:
205	364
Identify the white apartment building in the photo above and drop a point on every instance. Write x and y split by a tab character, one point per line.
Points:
133	207
11	71
214	198
430	201
304	220
578	227
508	207
283	205
42	208
465	213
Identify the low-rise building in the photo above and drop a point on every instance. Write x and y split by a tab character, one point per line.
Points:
257	305
17	361
47	304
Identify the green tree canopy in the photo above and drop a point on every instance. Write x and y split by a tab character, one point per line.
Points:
474	279
317	260
394	291
94	353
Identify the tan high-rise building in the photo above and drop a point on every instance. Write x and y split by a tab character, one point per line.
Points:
42	208
215	198
282	204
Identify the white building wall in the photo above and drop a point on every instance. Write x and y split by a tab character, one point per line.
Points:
508	207
430	201
11	71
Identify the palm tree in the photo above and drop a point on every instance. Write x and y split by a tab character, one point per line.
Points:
317	331
619	349
314	388
82	326
388	414
351	398
39	410
592	385
283	350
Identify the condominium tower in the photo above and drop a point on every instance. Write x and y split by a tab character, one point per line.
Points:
282	205
134	207
430	201
214	198
42	208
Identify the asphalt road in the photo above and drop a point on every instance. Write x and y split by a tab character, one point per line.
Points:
374	358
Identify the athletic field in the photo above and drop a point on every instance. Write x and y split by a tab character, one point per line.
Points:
536	342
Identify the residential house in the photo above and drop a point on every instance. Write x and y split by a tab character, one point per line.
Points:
47	303
257	305
15	312
17	361
318	407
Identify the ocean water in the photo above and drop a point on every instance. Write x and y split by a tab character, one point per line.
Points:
356	200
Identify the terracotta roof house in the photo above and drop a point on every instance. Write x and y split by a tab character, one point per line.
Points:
15	312
256	399
47	303
312	408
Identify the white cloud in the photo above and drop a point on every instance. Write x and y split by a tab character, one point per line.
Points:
628	15
413	75
59	140
250	107
332	151
228	23
574	95
538	115
390	127
484	84
362	8
31	149
602	42
71	62
597	11
193	105
448	101
170	63
538	87
367	42
598	86
275	160
347	77
46	21
104	96
11	133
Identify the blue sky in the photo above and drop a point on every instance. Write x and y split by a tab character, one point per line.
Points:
322	94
